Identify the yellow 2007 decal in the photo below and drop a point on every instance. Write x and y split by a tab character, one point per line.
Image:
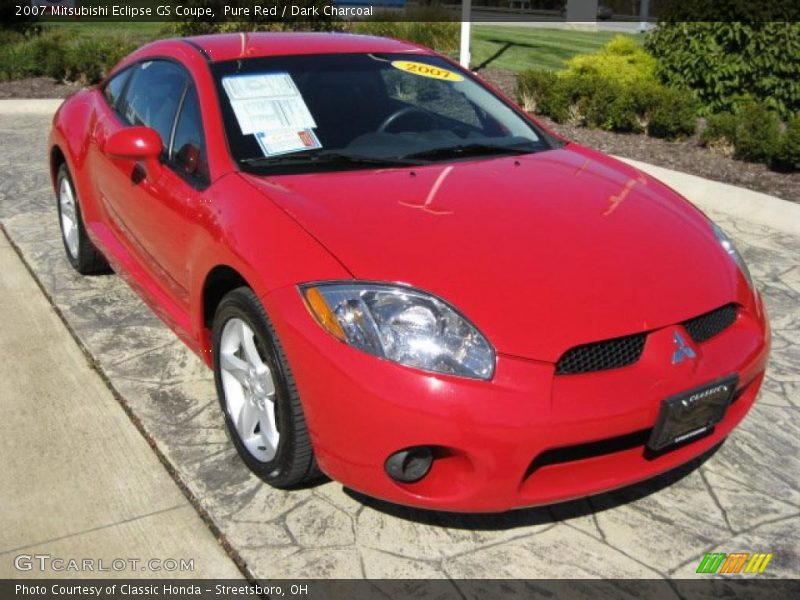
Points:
418	68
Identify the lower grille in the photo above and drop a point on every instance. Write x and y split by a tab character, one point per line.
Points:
706	326
599	356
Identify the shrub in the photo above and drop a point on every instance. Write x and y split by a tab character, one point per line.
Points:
54	54
757	136
621	61
669	113
725	63
788	156
533	87
430	26
720	131
194	26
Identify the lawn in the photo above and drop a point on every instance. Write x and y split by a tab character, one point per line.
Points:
521	48
513	48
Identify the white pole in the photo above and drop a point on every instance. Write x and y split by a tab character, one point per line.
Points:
644	14
464	57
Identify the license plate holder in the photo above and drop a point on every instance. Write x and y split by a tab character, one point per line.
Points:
693	413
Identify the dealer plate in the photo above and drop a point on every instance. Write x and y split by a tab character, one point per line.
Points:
690	414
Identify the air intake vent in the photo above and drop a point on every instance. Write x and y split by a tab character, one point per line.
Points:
599	356
706	326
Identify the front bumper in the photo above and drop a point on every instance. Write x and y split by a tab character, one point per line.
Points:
526	438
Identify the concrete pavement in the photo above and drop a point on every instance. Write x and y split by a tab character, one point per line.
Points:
78	481
744	497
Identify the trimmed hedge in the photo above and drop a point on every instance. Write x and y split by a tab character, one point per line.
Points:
728	64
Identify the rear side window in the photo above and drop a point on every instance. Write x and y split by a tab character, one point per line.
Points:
153	96
188	153
113	89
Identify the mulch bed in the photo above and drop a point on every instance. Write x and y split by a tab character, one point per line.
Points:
37	87
684	155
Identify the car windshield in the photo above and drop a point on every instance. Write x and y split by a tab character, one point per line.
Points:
343	111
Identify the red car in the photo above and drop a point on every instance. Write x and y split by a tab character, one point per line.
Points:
402	280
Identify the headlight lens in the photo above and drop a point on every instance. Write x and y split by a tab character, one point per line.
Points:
728	246
403	325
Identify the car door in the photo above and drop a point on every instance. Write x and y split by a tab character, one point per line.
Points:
154	211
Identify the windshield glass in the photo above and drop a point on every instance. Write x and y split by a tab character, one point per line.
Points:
343	111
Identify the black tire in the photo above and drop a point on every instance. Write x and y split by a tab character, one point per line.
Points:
86	260
293	463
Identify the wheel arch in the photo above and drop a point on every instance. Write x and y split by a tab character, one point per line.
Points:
57	158
220	280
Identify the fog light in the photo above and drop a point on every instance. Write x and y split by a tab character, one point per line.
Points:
409	465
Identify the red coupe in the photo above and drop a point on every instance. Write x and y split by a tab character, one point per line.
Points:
401	279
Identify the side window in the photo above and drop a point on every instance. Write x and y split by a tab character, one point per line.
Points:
115	85
153	96
188	153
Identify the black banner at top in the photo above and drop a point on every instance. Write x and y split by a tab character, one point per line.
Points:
584	12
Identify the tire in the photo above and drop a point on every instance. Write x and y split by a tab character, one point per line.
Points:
81	252
243	391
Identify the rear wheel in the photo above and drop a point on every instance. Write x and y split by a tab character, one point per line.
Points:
81	253
257	393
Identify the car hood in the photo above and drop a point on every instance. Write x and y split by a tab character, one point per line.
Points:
541	252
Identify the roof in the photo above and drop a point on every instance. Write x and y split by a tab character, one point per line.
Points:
231	46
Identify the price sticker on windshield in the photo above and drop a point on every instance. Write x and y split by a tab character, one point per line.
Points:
423	70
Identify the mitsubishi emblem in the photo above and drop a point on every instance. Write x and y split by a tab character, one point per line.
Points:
681	349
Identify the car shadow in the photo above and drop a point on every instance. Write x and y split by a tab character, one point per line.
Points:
540	515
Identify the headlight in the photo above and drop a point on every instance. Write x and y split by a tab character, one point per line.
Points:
403	325
728	246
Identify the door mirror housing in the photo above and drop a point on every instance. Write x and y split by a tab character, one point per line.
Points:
136	143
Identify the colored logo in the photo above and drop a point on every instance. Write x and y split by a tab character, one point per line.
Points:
681	349
737	562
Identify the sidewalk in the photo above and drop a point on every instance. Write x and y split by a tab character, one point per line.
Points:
77	480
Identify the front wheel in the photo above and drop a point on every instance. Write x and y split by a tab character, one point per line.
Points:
257	393
81	253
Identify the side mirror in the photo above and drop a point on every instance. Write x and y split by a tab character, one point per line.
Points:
136	143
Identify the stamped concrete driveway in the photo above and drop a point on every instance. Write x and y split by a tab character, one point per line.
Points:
744	497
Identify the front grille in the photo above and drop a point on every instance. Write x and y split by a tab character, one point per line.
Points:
706	326
599	356
624	351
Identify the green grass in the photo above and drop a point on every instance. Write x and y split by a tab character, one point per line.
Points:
504	47
521	48
137	32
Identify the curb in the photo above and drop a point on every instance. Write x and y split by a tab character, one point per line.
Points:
31	106
737	202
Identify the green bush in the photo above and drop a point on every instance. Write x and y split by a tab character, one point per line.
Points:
55	54
758	134
724	64
720	131
622	61
788	156
614	90
534	87
194	26
669	113
430	26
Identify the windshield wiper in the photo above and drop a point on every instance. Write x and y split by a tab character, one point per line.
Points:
328	156
473	149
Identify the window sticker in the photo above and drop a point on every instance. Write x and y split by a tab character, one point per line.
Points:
267	102
423	70
286	141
